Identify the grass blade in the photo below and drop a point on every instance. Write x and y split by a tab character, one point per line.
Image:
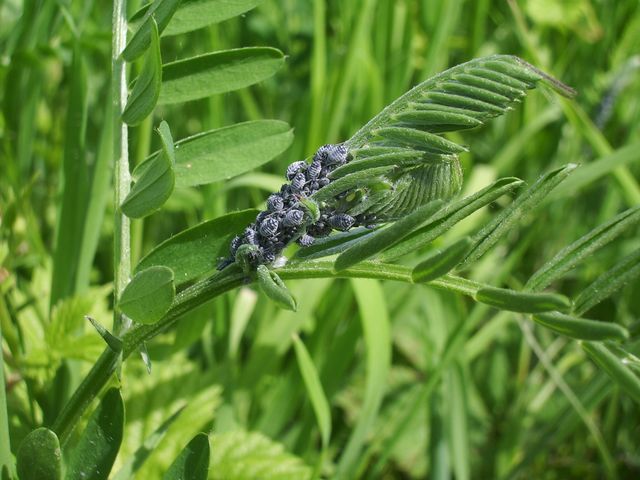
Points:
614	367
218	72
377	338
315	391
572	255
610	282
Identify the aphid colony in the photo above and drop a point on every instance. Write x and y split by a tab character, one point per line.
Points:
288	219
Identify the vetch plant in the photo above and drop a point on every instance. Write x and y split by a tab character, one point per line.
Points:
358	209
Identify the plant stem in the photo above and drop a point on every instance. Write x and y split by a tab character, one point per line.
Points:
210	288
122	224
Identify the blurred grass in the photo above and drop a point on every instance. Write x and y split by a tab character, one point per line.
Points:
469	393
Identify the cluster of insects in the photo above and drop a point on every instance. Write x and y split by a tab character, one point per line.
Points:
292	216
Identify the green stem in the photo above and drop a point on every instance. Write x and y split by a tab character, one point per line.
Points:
214	286
122	224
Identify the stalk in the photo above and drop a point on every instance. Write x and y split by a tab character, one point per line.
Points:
122	180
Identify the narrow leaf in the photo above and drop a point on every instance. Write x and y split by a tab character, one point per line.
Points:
226	152
218	72
155	186
441	262
610	282
146	89
149	295
514	301
111	340
315	391
352	181
449	215
419	139
274	288
193	461
614	367
131	466
39	456
580	328
377	338
384	238
196	251
404	158
501	224
572	255
159	12
333	244
98	446
6	458
71	215
194	14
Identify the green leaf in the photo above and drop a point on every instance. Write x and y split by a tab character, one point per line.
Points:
111	340
274	288
440	262
98	446
371	176
572	255
159	12
476	90
610	282
238	455
581	328
377	338
419	139
131	466
217	72
149	295
513	301
72	209
39	456
146	89
155	185
193	461
315	391
195	251
449	215
194	14
614	367
336	243
525	203
384	238
226	152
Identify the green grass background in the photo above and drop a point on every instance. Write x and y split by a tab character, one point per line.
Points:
471	392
